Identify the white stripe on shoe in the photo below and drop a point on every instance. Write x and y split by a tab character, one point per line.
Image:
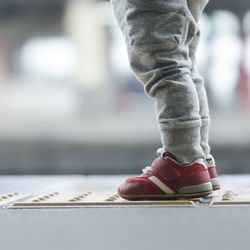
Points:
161	185
215	181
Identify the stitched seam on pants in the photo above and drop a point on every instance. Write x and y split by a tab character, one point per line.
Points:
185	31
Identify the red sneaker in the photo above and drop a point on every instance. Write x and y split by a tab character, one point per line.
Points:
211	166
166	178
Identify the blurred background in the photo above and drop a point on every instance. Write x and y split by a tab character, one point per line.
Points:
69	103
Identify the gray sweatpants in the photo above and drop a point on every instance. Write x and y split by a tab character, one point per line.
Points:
162	38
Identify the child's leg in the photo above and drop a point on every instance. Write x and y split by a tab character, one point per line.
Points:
196	8
157	35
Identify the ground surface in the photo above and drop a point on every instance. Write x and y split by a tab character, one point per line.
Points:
120	227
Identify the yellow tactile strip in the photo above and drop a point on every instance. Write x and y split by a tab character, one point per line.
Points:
9	198
89	199
86	198
233	197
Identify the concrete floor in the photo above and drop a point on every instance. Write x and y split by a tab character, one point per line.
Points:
133	227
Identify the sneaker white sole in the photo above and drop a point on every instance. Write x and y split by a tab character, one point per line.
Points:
188	192
215	183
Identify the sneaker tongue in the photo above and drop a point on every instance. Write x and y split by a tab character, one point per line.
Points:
170	155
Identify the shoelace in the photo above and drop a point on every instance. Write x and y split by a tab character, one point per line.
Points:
148	169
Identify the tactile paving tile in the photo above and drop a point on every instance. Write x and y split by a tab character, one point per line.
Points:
234	197
8	198
89	198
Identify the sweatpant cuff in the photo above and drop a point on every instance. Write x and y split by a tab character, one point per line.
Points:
183	143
